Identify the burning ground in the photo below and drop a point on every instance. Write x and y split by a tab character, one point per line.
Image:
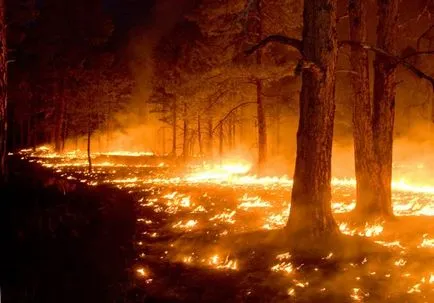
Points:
209	234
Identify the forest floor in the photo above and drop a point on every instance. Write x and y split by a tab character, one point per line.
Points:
139	233
63	247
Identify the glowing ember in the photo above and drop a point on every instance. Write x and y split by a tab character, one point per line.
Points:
284	267
190	224
252	202
400	262
367	231
142	272
225	217
427	242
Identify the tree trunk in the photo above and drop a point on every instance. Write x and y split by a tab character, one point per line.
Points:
278	141
221	141
384	106
230	133
262	129
174	128
210	139
362	111
185	138
199	136
310	215
89	158
60	122
3	93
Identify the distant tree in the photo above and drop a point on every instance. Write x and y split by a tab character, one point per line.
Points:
62	37
102	90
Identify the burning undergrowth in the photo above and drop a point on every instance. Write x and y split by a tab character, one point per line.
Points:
215	234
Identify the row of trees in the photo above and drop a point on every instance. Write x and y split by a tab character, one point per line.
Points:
205	87
205	78
66	78
211	70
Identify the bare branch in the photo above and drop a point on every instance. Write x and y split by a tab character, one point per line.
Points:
229	113
347	71
397	59
342	17
295	43
418	54
424	36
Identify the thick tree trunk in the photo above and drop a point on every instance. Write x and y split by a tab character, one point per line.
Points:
3	93
384	105
365	166
310	215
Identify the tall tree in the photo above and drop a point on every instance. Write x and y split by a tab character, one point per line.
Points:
3	92
384	105
362	109
310	214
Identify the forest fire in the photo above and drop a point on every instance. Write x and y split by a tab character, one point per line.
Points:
211	203
167	150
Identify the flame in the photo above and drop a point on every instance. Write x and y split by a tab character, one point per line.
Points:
219	200
367	231
427	242
190	224
248	202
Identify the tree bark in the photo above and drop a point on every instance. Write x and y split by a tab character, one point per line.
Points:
384	106
362	111
3	93
310	215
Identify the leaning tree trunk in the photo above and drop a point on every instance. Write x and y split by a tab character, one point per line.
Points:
3	92
384	106
367	186
310	215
